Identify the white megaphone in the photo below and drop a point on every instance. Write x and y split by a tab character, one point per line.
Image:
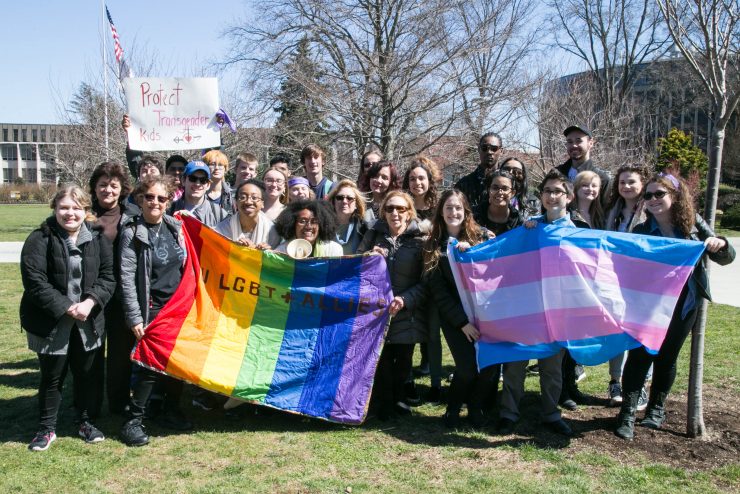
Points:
299	248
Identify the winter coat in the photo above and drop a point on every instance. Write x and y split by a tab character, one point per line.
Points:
136	268
615	213
405	266
44	273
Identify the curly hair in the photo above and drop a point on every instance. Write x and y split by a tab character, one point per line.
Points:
683	214
167	182
637	168
110	170
285	222
359	199
470	231
433	176
595	211
373	172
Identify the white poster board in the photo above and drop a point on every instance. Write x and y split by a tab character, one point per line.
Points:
172	113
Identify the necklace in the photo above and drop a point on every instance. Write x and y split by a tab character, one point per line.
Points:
156	232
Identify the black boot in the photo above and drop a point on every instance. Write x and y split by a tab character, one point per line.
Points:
655	414
133	434
626	419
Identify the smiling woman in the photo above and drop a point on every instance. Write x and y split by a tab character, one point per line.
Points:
312	221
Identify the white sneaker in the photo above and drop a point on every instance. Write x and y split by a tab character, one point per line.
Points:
642	402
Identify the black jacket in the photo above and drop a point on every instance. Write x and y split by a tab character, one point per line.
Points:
701	231
405	266
44	261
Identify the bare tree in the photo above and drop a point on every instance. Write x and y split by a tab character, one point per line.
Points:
392	72
612	39
707	34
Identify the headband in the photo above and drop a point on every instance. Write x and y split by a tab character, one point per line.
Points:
671	179
298	181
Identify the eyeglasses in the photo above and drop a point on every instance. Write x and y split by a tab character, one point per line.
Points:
503	188
200	180
245	198
341	198
153	197
275	181
307	221
658	194
486	148
517	172
392	207
216	165
554	192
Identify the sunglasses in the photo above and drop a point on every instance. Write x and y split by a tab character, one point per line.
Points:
200	180
153	197
517	172
392	207
658	194
341	198
485	148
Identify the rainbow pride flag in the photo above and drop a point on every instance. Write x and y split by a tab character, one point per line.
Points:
302	336
596	293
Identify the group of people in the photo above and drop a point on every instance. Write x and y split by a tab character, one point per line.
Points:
107	260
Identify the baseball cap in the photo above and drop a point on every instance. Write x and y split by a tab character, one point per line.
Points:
194	166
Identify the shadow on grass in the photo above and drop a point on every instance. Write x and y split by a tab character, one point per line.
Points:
21	380
29	363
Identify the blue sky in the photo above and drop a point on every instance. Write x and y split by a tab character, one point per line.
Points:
50	47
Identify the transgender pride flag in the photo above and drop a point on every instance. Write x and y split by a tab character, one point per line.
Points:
596	293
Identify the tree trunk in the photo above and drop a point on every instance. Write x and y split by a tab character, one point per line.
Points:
695	414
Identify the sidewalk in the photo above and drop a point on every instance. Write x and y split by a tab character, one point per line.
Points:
724	280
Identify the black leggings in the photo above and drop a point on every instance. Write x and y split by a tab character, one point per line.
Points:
394	367
664	363
469	386
54	371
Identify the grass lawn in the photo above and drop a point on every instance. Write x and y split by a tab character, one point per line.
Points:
283	453
17	221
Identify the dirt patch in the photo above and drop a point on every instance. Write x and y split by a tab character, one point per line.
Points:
670	445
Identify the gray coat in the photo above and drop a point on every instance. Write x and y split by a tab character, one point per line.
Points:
136	268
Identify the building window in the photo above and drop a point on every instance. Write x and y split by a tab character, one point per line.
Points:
15	135
43	135
9	152
24	135
53	135
27	152
5	135
34	135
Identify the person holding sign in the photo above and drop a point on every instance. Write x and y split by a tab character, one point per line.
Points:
196	180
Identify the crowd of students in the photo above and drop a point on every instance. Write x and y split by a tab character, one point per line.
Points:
102	266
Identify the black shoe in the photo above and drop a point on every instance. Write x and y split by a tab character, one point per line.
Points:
174	420
626	418
506	426
133	433
90	433
568	404
560	427
434	396
579	397
42	441
205	401
451	419
412	395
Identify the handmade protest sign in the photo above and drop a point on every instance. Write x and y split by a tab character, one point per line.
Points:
298	335
172	113
596	293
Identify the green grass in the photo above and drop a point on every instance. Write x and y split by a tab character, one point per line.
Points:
285	453
17	221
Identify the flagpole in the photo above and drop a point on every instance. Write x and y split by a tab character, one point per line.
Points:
105	80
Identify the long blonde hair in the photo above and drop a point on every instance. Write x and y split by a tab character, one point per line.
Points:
595	211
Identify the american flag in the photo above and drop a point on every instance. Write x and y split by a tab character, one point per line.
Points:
124	71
